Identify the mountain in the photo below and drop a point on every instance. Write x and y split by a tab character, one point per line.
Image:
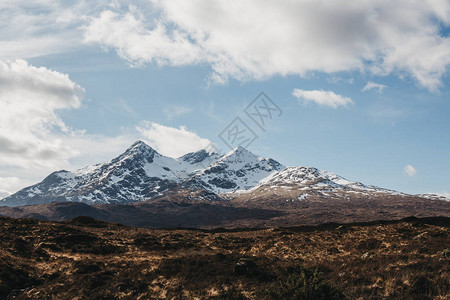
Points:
238	170
139	174
144	188
307	182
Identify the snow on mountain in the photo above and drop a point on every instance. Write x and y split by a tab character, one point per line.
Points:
138	174
199	160
141	173
239	170
435	197
308	178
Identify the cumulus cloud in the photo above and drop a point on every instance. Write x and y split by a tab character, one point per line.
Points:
372	85
324	98
410	170
244	40
251	39
30	98
8	185
175	111
170	141
32	28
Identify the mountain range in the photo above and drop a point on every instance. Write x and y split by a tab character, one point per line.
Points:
237	185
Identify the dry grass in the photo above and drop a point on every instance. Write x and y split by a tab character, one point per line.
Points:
88	259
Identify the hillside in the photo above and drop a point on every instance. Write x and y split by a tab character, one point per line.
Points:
202	209
85	258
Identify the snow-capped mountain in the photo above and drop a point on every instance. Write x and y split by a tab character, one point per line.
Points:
141	174
301	183
312	179
238	170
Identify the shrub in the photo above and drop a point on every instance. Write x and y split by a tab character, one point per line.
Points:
302	284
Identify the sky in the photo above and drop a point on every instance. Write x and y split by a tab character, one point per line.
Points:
358	88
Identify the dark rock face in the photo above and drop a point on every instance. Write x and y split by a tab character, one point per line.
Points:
195	157
216	169
222	183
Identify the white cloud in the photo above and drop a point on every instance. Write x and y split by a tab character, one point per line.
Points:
325	98
8	185
287	38
32	135
30	129
372	85
127	33
169	141
34	140
32	28
283	38
175	111
410	170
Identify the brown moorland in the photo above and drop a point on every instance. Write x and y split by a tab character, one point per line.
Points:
245	210
88	259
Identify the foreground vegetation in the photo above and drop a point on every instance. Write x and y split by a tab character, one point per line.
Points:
89	259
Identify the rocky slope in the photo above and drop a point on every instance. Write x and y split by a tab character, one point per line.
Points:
239	170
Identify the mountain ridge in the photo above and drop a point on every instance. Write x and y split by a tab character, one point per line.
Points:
138	174
142	174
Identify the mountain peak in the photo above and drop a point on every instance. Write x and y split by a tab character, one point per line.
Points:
139	144
138	150
239	151
139	147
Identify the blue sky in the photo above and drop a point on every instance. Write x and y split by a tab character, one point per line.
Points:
363	88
